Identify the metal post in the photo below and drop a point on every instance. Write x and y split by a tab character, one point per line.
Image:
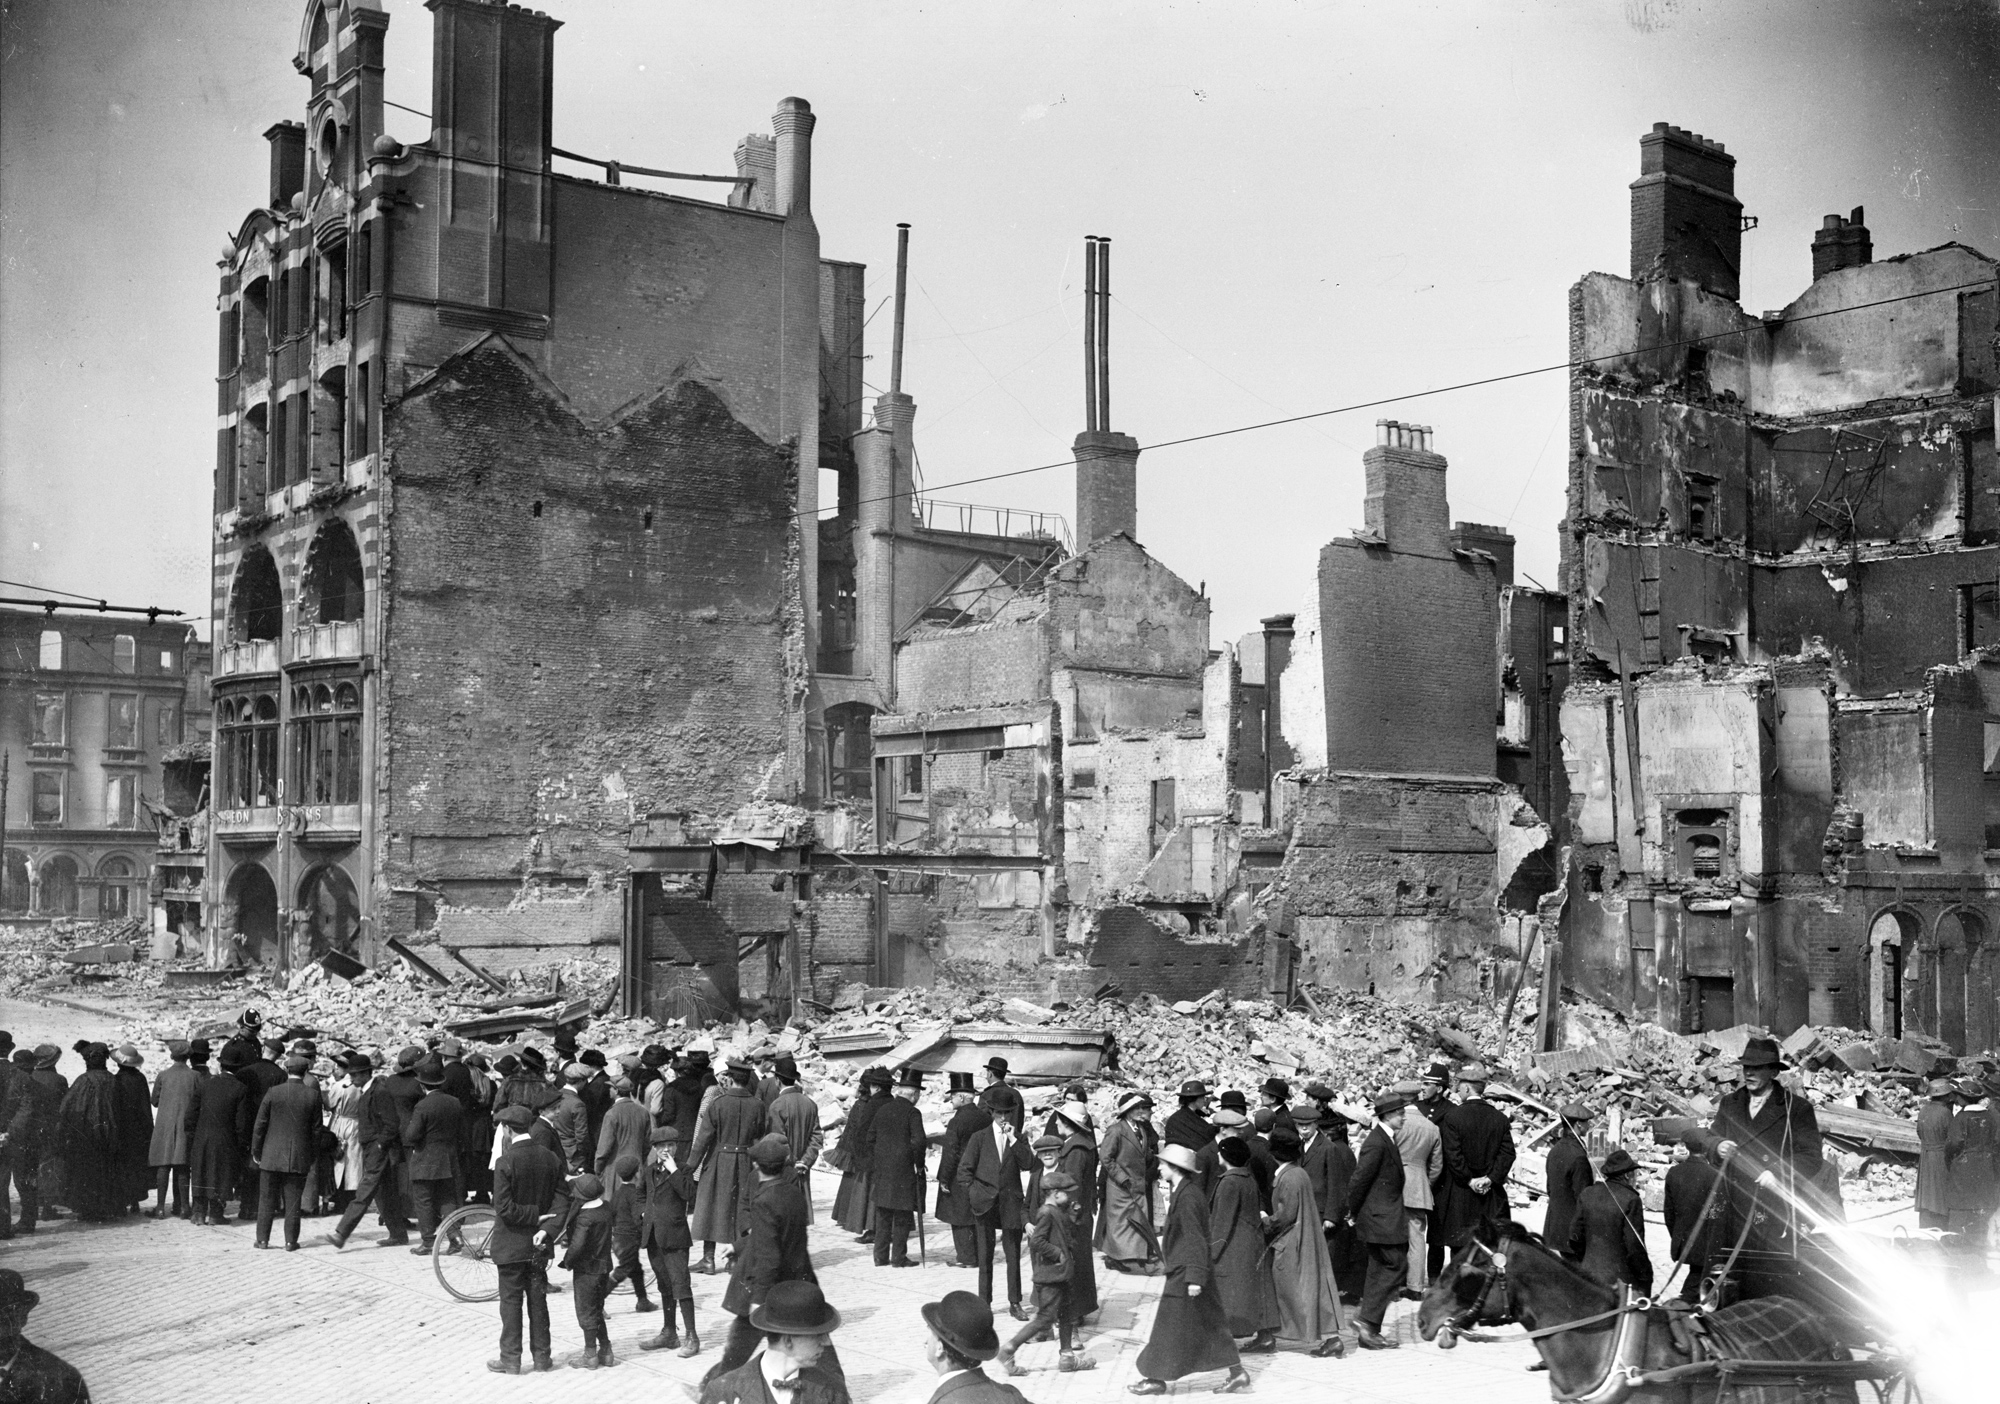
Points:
902	283
1090	333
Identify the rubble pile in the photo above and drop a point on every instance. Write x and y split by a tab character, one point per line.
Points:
32	957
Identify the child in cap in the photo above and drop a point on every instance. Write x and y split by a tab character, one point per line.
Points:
586	1229
625	1215
1053	1259
666	1192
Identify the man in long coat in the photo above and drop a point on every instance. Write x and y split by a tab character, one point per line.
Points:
1328	1162
895	1152
1435	1103
1375	1204
720	1157
174	1093
381	1135
1308	1301
1768	1148
989	1180
219	1143
625	1130
135	1128
1692	1217
1607	1238
1422	1147
432	1139
283	1141
1478	1153
1243	1273
1190	1332
1125	1224
530	1195
1568	1175
1933	1129
1189	1126
967	1118
795	1116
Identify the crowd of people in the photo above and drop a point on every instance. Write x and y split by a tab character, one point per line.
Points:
1271	1224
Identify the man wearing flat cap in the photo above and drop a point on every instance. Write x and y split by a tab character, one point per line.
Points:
28	1373
283	1141
432	1141
895	1150
962	1340
530	1196
666	1196
797	1364
1375	1204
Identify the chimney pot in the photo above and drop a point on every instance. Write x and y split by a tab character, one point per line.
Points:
1686	219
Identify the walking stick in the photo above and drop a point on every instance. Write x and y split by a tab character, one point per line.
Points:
923	1252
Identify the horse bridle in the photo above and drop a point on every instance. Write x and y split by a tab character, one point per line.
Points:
1465	1320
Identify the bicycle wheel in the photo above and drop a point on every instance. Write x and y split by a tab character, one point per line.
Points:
462	1258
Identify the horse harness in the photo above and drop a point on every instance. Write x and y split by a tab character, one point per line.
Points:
1628	1346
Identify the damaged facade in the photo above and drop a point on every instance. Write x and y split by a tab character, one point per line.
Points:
1782	728
509	474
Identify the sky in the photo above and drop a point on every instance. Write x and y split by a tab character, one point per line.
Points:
1312	205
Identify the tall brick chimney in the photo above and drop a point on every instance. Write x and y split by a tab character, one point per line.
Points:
1686	219
1405	507
288	162
1841	243
1107	463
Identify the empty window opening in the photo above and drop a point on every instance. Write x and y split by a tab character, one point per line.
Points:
232	338
124	654
46	805
364	442
59	876
121	722
649	521
333	287
1701	509
51	659
1978	616
121	806
538	509
1705	857
114	893
256	601
51	719
364	262
333	590
252	444
329	438
850	751
167	727
1697	368
254	325
326	743
227	454
246	754
913	775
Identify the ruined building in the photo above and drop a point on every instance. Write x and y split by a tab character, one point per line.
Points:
508	488
1782	548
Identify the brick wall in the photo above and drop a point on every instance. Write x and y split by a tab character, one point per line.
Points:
582	623
1140	954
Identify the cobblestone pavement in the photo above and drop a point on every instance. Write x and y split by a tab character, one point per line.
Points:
164	1311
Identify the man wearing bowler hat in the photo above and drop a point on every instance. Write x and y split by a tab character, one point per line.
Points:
1189	1126
1478	1153
797	1364
1375	1204
1000	1099
282	1145
962	1339
27	1372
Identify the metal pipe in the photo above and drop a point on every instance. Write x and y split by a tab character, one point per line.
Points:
902	283
1104	334
1090	333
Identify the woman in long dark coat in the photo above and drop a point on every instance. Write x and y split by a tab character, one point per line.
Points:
134	1101
1190	1331
476	1154
854	1201
88	1122
218	1141
1236	1242
1079	1159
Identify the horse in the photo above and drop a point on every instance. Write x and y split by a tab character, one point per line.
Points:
1604	1346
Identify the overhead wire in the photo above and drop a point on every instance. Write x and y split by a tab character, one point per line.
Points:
1500	379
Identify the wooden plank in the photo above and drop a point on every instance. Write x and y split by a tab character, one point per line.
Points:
492	982
1889	1133
416	961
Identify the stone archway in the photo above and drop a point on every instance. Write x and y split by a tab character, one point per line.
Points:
330	911
1892	953
254	899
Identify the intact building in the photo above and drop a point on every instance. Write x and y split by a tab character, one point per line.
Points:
511	471
1783	533
90	705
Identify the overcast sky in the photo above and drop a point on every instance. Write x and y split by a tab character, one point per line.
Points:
1311	205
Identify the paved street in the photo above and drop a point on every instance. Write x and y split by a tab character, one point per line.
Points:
166	1311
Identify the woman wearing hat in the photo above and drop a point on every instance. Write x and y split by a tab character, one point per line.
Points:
798	1325
1934	1119
853	1201
1608	1236
1125	1230
135	1128
1308	1300
1078	1159
1972	1163
89	1145
1190	1331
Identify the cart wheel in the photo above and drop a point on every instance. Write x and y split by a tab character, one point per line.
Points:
462	1258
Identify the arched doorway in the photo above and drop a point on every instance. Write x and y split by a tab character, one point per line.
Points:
114	890
59	876
330	909
255	899
1892	952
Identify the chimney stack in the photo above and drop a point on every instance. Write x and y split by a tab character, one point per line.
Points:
1405	506
1841	243
288	162
1107	464
1686	219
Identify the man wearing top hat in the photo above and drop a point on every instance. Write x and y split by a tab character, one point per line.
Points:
797	1364
967	1119
895	1152
962	1339
283	1142
1000	1099
28	1373
1375	1204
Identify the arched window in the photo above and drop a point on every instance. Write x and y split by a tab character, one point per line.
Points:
257	599
114	892
51	660
333	590
246	751
124	654
1892	953
326	743
59	886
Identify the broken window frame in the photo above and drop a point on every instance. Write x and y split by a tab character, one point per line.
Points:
124	654
48	799
246	750
326	741
121	721
114	892
121	799
50	657
51	719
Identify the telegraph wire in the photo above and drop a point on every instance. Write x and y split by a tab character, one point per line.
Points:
1423	394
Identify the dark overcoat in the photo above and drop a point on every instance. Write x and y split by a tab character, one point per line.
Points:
895	1149
1567	1177
529	1187
1478	1143
1375	1194
772	1246
965	1121
990	1184
434	1135
724	1133
1608	1236
285	1137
